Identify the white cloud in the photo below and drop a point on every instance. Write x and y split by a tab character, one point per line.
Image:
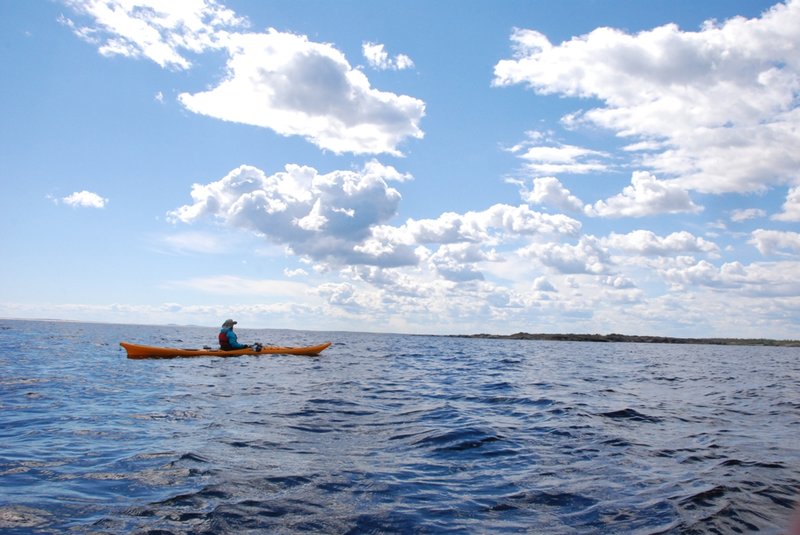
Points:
758	280
343	295
274	80
541	284
791	208
378	58
770	242
617	282
340	218
160	31
85	199
550	191
587	256
498	223
322	216
717	107
297	87
646	196
704	273
403	300
559	158
745	214
456	262
396	285
645	242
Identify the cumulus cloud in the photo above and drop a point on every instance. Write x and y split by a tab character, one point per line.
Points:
588	256
646	196
456	262
704	273
275	80
770	242
395	285
791	208
342	295
378	58
645	242
322	216
296	87
758	280
541	284
496	224
341	218
550	191
617	282
714	108
85	199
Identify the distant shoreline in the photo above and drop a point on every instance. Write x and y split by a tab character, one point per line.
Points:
548	337
634	339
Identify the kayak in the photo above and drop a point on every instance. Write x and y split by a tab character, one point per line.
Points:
136	351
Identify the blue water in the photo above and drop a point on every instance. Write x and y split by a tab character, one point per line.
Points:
393	434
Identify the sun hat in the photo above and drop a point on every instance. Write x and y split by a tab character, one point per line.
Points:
229	323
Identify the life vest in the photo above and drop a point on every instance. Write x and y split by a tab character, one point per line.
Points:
223	340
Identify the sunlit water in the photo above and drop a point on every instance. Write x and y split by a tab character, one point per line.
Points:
393	434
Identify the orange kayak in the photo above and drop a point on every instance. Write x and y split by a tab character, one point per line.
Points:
136	351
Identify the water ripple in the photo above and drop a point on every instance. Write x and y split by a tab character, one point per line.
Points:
393	434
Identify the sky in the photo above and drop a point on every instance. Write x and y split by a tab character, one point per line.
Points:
448	167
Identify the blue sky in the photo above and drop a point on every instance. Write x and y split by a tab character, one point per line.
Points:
425	167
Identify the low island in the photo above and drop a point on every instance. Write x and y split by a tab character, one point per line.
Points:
614	337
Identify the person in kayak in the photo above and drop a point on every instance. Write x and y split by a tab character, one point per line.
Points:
227	338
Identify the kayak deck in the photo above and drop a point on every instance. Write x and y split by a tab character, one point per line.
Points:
137	351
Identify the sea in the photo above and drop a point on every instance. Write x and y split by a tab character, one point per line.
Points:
390	433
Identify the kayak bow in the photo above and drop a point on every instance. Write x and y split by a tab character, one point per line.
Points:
136	351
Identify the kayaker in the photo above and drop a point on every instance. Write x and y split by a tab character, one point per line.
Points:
227	338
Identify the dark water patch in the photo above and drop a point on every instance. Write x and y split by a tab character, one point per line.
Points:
665	379
617	443
511	401
565	433
191	458
757	464
255	444
465	440
782	495
549	499
502	386
706	497
630	414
